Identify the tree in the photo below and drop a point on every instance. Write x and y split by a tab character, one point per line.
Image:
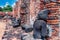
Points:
1	9
7	8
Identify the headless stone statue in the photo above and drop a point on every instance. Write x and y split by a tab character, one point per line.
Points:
40	29
39	26
16	22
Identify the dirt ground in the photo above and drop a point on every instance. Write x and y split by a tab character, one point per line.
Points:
2	28
15	31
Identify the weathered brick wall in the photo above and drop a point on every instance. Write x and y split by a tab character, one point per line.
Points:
16	9
34	9
34	6
54	24
37	5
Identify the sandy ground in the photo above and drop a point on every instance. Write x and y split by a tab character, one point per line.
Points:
2	29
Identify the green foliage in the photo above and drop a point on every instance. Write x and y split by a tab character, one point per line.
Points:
8	8
1	9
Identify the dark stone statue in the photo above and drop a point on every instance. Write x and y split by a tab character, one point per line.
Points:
43	14
16	22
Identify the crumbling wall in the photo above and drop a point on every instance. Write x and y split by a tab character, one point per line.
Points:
54	21
34	6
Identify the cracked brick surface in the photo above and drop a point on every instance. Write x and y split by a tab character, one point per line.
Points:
34	6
